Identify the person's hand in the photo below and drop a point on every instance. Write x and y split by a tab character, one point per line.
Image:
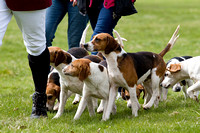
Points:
74	2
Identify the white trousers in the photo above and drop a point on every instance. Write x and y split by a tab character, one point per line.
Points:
31	24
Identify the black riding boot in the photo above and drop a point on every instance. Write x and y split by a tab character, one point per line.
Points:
40	68
39	105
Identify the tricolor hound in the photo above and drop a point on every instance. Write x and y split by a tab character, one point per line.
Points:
53	91
129	69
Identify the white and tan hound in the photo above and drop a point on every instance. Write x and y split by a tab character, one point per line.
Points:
59	59
188	69
96	82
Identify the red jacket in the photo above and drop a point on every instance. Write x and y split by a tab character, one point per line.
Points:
28	5
107	3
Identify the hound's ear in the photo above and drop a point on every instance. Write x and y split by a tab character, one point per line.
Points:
174	68
111	44
69	58
59	57
57	92
84	71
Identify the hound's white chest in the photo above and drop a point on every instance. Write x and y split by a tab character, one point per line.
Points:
115	75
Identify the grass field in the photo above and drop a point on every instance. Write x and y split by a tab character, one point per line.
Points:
148	30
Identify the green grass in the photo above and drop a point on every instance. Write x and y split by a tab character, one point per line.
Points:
149	30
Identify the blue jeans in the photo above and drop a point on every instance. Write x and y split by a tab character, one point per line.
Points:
102	20
76	22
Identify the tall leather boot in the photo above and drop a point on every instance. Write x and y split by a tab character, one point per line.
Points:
40	68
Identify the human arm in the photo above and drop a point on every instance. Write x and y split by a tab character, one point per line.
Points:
74	2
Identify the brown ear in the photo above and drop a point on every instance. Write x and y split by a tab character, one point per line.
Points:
111	44
174	68
57	92
84	71
69	58
60	57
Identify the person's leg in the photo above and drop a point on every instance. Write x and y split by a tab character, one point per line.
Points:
54	15
106	22
5	17
76	25
93	14
32	25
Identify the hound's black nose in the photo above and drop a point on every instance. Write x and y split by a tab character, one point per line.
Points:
177	89
85	45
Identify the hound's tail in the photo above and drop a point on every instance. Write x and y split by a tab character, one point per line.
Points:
171	42
83	38
119	38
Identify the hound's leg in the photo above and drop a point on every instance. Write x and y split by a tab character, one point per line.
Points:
63	98
184	88
158	98
82	104
76	99
101	107
148	90
90	106
112	97
164	94
81	108
196	93
135	106
56	107
195	87
189	83
155	88
94	102
104	104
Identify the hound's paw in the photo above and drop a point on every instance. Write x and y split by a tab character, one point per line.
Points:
105	119
76	118
56	117
190	94
129	103
145	107
100	110
75	102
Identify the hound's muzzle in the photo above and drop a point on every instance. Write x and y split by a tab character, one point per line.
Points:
85	45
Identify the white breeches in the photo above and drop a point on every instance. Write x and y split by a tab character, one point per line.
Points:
31	24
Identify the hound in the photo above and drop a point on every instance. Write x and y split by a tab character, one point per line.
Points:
188	69
182	85
59	59
129	69
96	82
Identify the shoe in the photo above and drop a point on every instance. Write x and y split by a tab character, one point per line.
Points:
39	105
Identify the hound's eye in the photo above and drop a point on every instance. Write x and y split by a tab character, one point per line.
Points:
49	97
97	39
166	74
